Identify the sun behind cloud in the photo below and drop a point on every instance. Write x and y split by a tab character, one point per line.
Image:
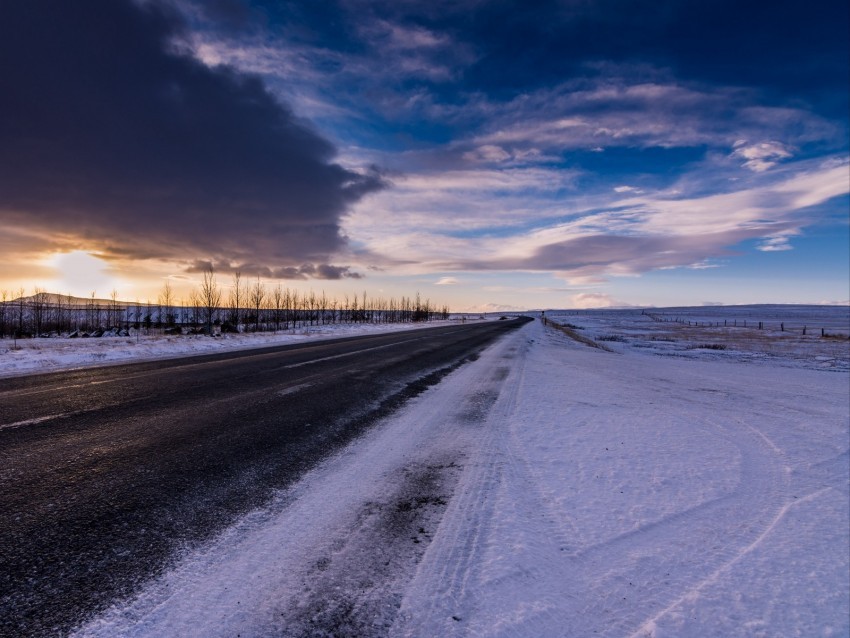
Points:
79	273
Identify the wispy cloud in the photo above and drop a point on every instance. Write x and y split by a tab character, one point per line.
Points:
762	155
417	51
778	241
614	112
621	236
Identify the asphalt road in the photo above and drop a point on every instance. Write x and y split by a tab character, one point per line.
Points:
105	473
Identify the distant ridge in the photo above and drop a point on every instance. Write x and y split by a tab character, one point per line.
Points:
54	298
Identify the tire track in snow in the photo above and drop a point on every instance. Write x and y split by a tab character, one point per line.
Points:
605	588
648	628
704	537
446	580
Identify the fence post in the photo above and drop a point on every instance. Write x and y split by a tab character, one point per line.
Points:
760	325
804	330
782	327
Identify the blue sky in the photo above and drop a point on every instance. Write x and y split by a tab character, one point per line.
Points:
487	154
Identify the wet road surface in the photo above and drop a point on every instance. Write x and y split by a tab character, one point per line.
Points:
106	472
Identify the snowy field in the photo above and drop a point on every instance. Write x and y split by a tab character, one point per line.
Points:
725	333
551	488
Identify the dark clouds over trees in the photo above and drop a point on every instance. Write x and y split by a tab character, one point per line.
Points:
111	135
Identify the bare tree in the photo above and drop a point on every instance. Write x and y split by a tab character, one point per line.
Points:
237	298
257	296
20	311
90	311
355	312
277	304
417	308
58	314
311	304
166	302
38	306
210	297
289	305
112	309
195	303
323	307
148	318
73	313
4	297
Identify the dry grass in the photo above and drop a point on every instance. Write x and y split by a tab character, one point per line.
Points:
771	342
572	334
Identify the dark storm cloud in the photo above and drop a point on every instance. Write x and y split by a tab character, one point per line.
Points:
302	272
110	134
328	271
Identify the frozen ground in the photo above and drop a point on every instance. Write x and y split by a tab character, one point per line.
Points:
552	489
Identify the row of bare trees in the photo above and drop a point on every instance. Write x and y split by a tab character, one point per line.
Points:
44	312
244	305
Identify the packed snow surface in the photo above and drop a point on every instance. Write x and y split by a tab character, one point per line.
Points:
551	488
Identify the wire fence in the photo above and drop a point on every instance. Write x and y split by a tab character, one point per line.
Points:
754	324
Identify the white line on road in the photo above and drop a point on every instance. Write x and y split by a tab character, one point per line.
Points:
293	389
349	354
41	419
148	373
